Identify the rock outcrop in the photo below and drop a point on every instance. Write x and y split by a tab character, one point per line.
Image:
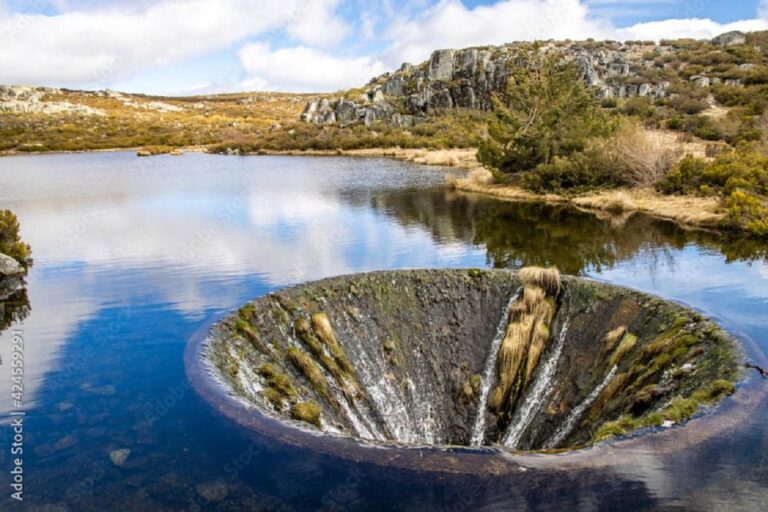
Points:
468	79
25	99
9	267
730	39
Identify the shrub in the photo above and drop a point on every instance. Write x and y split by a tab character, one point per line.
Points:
684	177
639	157
740	177
545	114
580	171
10	240
748	211
640	106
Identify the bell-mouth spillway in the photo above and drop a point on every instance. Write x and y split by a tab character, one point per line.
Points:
456	364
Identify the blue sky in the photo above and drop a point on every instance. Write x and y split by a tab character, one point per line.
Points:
200	46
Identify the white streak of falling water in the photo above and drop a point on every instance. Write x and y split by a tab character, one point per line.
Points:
567	426
386	396
538	393
422	397
361	429
478	429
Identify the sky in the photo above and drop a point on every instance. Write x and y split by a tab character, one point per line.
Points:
182	47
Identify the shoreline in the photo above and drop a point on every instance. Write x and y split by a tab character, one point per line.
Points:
691	211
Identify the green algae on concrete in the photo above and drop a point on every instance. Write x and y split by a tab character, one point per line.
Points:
399	356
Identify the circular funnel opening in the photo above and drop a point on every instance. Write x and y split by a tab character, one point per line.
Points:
526	360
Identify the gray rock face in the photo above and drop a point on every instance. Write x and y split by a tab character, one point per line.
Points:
730	38
441	65
26	99
469	78
9	267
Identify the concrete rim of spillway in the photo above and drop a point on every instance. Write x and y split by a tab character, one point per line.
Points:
725	418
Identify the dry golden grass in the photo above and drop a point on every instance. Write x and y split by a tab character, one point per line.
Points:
545	278
625	345
532	297
618	202
640	156
512	351
341	368
311	370
308	412
526	335
613	337
696	211
539	339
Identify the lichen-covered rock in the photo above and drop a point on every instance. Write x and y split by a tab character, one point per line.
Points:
468	79
730	38
26	99
9	267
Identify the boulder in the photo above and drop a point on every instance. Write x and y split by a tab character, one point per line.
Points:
730	38
346	111
441	65
9	267
394	86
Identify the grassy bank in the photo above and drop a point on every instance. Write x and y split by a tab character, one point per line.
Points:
687	210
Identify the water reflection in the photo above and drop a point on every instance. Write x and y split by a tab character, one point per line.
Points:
516	234
14	302
134	255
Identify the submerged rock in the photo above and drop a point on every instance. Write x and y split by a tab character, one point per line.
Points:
527	360
213	491
119	457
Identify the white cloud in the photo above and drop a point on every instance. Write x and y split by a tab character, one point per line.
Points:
449	24
101	44
316	25
91	43
688	28
303	69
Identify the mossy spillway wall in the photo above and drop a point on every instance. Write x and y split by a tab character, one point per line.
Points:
524	360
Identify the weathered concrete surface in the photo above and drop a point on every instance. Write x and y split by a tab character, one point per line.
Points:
400	357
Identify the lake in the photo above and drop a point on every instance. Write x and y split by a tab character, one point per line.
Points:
133	256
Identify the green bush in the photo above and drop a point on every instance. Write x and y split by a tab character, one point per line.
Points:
739	177
684	178
748	211
10	241
726	173
546	113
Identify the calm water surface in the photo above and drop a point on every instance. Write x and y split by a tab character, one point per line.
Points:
133	256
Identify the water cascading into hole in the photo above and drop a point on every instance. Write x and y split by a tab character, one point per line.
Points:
422	358
525	341
478	429
567	426
538	393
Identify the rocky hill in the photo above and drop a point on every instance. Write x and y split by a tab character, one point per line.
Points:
468	78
